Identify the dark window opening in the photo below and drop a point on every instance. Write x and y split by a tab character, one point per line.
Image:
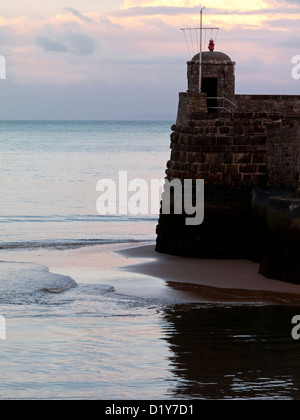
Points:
210	87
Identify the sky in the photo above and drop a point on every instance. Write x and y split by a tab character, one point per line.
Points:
126	59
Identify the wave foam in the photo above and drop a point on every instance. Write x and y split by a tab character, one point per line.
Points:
23	282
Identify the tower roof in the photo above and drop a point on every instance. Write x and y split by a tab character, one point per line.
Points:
213	57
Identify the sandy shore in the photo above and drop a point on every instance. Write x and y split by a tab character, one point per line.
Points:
211	279
137	270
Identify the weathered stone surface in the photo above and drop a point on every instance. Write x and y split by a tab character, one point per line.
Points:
215	65
243	149
278	213
250	162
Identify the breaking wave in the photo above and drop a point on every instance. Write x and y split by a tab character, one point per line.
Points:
25	283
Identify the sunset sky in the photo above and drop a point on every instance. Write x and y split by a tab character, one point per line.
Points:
114	59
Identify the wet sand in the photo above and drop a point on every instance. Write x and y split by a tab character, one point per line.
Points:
211	280
232	344
138	270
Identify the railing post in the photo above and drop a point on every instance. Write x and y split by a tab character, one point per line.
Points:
223	107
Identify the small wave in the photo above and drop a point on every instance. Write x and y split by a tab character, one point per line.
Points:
97	289
73	218
67	284
23	283
65	244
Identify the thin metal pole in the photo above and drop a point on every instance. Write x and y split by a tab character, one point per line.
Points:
200	58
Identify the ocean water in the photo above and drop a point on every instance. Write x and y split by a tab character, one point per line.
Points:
73	332
49	173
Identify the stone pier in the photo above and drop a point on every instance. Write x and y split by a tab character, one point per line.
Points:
247	150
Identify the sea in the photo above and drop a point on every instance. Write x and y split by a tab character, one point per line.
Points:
78	333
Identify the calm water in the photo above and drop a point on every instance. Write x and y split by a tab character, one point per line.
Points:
74	336
49	172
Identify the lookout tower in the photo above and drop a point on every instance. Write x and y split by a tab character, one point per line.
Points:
217	81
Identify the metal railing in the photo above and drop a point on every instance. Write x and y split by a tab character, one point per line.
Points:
223	107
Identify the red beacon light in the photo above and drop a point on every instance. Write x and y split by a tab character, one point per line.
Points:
211	45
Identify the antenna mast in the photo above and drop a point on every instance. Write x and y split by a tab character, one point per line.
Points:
201	33
200	58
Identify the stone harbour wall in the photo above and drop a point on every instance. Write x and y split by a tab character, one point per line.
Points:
280	104
256	148
225	149
251	149
283	153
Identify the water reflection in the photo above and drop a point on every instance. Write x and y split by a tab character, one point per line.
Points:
224	351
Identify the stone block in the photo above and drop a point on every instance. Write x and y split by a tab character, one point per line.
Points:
214	158
217	168
238	130
224	130
241	140
214	178
259	157
227	158
262	168
232	168
224	141
203	167
243	157
248	168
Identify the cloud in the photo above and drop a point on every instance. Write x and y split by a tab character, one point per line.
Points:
152	10
77	13
67	41
140	53
51	45
106	22
288	24
177	11
297	2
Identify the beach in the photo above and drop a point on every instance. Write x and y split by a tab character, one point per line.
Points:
137	324
93	312
213	279
162	275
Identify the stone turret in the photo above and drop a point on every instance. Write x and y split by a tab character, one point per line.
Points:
218	78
